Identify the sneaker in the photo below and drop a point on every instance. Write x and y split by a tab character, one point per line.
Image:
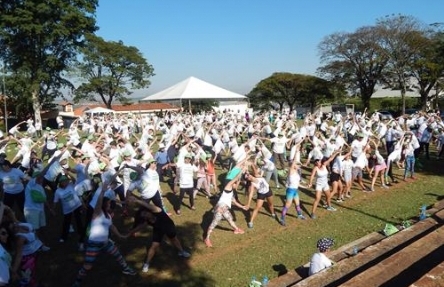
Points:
384	186
129	271
278	186
331	208
301	216
325	206
208	242
273	215
348	196
238	231
81	247
45	248
193	208
282	221
339	200
61	240
250	224
184	254
145	267
178	212
71	229
313	216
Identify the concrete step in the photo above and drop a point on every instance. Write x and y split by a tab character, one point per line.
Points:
406	266
370	256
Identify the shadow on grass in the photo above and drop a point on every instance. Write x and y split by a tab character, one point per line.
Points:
59	266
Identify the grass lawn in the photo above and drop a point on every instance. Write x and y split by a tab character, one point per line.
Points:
267	249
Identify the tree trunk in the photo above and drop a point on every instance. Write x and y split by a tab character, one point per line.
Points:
403	98
36	106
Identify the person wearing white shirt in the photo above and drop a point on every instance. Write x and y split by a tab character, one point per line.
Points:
409	152
71	205
279	148
222	209
357	146
12	185
186	181
319	261
148	184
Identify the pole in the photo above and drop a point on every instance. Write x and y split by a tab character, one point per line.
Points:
5	115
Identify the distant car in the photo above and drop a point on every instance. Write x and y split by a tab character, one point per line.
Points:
385	115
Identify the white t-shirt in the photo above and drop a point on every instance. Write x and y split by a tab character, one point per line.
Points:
187	175
147	185
68	197
5	265
318	263
12	181
30	204
279	144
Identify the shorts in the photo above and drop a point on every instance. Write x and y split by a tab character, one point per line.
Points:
356	172
348	176
36	218
263	196
322	187
335	177
291	193
380	167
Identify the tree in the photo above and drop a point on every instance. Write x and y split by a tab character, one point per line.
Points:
39	40
428	67
354	60
286	89
110	70
402	40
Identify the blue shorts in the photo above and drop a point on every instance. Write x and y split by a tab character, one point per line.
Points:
291	193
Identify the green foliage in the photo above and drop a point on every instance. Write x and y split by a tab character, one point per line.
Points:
109	69
38	41
289	90
355	60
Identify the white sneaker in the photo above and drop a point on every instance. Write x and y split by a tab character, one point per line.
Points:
71	229
145	267
81	247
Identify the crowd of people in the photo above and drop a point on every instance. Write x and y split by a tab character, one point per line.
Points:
123	164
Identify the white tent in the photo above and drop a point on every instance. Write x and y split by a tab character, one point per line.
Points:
99	110
193	88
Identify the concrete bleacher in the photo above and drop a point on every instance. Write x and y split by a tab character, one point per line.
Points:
411	257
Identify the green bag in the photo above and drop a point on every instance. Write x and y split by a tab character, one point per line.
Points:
390	229
37	196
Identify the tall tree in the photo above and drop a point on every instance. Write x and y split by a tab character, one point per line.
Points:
354	60
289	90
109	69
428	67
402	40
39	39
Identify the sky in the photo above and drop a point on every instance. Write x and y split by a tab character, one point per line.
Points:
236	44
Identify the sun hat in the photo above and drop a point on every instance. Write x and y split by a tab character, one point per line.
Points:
151	160
188	155
161	146
324	244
